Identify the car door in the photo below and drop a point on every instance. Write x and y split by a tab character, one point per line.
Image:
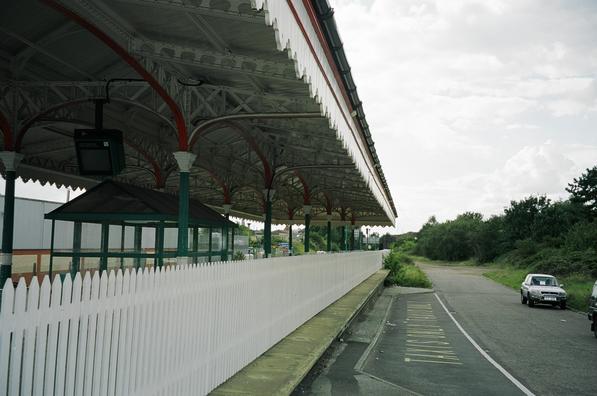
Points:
525	285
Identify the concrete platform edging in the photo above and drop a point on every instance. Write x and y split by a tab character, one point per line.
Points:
281	368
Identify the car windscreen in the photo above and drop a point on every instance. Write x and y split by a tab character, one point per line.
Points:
544	281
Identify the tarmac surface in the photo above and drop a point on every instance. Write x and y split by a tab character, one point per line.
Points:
407	344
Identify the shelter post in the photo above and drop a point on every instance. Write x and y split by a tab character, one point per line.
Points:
329	241
307	211
195	243
267	231
159	246
104	247
76	263
209	242
11	160
232	244
290	239
185	160
224	244
343	238
137	241
51	265
225	231
352	235
122	231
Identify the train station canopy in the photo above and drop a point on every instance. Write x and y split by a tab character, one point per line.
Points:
260	91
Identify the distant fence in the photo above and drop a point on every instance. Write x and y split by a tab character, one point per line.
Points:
178	331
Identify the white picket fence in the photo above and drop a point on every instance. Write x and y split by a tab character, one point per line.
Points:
180	331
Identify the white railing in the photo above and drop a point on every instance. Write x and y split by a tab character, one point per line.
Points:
180	331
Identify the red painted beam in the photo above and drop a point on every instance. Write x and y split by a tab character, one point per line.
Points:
290	212
306	190
160	182
328	203
268	174
128	58
222	184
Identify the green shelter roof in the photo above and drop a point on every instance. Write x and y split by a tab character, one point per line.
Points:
117	202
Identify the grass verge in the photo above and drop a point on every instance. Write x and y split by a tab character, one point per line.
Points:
578	287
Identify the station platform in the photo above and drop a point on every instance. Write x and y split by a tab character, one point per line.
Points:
280	369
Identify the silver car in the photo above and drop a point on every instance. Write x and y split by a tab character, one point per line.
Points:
542	289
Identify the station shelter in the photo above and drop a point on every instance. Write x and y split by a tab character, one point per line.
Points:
113	223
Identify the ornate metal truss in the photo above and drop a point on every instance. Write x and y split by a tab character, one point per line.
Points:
210	70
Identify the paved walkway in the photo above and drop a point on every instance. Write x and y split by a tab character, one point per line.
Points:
279	370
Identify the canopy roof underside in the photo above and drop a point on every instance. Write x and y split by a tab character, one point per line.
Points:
284	119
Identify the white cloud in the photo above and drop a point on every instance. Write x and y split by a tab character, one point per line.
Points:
474	103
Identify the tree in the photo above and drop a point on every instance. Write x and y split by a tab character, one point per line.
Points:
520	217
583	190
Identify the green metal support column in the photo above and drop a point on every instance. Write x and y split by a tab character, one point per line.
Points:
11	160
343	239
137	241
159	246
209	241
195	243
227	207
351	237
232	243
329	241
290	239
185	160
307	211
183	215
267	231
122	231
104	247
51	266
76	263
224	244
8	227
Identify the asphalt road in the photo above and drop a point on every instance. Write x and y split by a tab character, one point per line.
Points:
550	350
406	343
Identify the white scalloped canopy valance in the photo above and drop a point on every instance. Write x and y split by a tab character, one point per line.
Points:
326	92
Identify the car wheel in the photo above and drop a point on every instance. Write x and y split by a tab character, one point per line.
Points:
531	302
563	305
595	326
523	299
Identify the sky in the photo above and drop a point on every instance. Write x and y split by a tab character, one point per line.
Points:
471	103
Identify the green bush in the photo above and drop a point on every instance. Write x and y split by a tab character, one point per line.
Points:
394	260
410	275
581	236
238	255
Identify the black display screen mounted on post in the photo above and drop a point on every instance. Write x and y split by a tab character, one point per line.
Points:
100	152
